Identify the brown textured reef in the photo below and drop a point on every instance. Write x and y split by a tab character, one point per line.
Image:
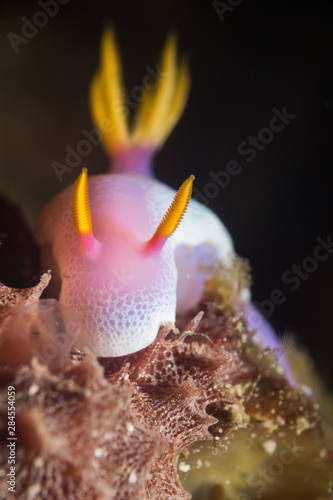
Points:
204	414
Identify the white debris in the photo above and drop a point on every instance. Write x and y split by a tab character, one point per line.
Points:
133	479
33	389
38	462
183	467
129	427
269	446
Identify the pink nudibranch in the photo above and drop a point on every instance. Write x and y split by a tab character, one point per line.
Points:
122	270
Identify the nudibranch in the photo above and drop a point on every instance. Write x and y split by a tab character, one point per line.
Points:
116	242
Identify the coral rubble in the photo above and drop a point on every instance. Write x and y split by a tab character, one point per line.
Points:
207	405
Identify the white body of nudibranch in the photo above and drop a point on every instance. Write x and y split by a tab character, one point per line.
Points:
123	295
122	287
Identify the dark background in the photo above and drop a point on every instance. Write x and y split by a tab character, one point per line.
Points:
262	55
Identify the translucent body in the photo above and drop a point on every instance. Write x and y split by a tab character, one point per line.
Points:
46	329
123	295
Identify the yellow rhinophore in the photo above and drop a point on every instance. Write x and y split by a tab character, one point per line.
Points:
80	205
172	217
81	215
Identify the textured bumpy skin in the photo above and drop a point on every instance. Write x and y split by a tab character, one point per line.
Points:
123	295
